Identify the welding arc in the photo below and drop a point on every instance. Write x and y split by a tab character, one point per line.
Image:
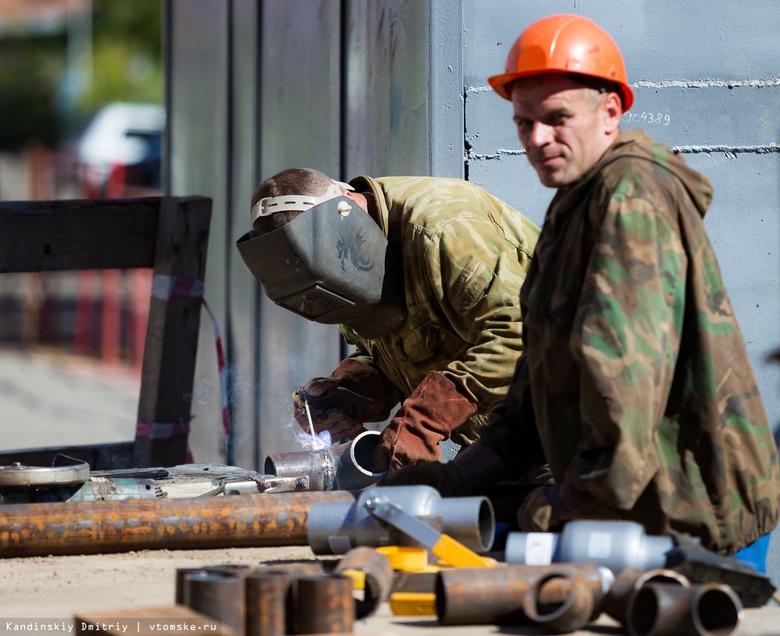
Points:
100	527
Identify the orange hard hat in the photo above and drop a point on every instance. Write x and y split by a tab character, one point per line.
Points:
563	43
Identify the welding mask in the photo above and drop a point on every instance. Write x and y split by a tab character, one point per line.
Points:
331	264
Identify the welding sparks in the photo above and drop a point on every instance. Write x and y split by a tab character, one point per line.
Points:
316	442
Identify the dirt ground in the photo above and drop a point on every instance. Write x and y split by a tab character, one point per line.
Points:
47	592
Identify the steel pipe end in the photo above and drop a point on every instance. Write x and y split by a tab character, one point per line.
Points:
567	615
354	462
709	609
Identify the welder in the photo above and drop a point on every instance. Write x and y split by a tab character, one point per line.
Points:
422	276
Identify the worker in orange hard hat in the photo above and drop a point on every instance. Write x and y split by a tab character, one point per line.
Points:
634	384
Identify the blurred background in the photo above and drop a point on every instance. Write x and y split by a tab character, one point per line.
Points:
82	115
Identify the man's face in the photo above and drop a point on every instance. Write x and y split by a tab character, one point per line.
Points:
564	127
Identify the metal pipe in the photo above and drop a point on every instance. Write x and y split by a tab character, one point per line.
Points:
565	615
632	579
217	595
347	466
378	578
338	527
296	571
160	524
324	605
708	609
269	597
470	596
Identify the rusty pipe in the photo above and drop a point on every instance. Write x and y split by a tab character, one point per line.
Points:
159	524
218	595
632	579
568	614
324	605
295	571
377	574
470	596
268	602
708	609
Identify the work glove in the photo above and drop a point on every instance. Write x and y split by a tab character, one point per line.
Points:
340	403
545	509
426	417
473	469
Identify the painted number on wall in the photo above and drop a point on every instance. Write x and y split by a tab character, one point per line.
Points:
646	117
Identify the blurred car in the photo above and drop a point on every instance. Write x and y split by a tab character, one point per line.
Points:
120	151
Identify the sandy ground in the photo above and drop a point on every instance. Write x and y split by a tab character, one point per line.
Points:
49	398
43	592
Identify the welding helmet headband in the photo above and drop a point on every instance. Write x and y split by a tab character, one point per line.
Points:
331	264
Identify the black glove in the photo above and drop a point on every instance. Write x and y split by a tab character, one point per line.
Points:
444	477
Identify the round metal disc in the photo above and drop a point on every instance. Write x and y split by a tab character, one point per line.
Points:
17	474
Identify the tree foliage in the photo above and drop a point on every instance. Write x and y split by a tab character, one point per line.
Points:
36	103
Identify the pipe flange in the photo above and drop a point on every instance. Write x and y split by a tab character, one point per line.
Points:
18	474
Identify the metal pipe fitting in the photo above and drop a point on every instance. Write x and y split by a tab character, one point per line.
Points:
269	598
377	574
709	609
295	571
632	579
347	466
324	605
219	596
337	528
469	596
570	613
473	596
159	524
614	544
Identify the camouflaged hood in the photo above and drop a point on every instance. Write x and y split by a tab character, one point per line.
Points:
636	143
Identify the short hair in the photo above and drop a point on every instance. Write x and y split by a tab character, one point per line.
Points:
597	84
292	181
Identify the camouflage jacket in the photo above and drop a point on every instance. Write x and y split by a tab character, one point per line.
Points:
465	254
635	370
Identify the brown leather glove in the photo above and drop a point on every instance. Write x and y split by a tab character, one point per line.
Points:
354	393
426	417
547	508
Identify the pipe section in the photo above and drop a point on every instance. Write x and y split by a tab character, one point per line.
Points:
347	466
324	605
160	524
630	581
377	574
471	596
337	528
568	614
219	596
269	597
709	609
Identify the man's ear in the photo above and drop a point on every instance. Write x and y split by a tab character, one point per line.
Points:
613	111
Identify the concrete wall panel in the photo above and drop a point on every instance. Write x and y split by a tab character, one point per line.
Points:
387	113
660	39
299	111
197	32
243	291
